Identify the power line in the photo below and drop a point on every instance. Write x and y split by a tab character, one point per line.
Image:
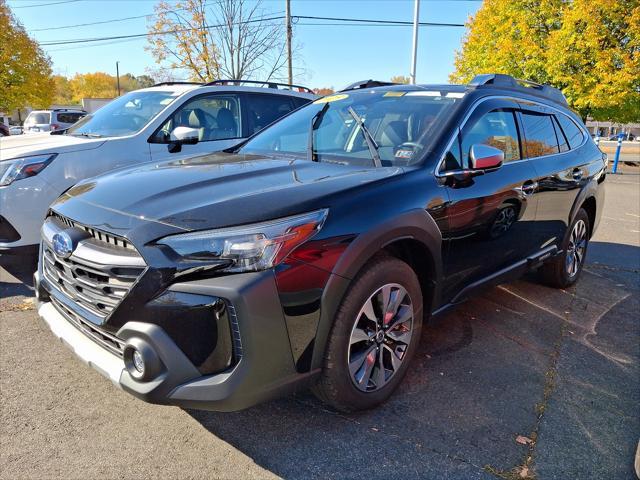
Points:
151	34
45	4
114	20
378	22
279	17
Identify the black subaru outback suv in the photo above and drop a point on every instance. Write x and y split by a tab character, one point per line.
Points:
311	254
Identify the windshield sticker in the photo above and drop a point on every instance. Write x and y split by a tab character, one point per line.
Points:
406	154
393	94
332	98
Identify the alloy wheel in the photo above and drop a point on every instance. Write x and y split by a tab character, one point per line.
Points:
380	337
576	248
503	222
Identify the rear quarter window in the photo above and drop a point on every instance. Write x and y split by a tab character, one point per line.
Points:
572	132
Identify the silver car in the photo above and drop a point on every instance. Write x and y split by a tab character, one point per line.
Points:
51	120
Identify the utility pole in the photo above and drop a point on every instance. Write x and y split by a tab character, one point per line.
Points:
118	77
288	24
416	21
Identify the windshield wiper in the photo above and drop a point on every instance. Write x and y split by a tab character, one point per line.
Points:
315	123
87	135
371	143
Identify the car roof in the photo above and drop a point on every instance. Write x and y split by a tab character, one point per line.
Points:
183	87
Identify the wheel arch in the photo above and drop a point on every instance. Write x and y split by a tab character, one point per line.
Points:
413	237
587	199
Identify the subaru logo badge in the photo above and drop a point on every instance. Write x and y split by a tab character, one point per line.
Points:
62	244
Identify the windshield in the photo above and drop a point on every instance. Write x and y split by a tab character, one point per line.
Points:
124	115
38	118
356	127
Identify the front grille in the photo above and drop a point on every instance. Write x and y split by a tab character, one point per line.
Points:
98	335
99	272
98	235
98	288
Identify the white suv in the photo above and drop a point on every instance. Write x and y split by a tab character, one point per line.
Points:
51	120
166	121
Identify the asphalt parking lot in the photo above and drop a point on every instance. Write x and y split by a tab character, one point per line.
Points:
523	381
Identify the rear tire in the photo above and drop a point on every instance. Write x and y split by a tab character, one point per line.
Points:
366	358
564	270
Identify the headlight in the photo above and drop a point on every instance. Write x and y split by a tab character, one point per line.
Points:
251	247
23	167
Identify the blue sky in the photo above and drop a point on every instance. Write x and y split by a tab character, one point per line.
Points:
333	55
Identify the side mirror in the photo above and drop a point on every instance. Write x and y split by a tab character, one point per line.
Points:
184	135
485	157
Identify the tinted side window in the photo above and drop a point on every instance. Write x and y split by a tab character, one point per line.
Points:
563	145
299	101
69	117
573	133
263	110
216	117
539	134
496	129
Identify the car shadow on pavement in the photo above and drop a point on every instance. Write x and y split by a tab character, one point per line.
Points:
16	275
480	378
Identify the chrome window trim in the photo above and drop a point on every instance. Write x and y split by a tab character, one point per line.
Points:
479	102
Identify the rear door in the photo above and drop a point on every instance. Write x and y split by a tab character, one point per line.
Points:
491	217
560	170
263	109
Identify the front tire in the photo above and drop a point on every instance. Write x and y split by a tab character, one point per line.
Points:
564	270
374	336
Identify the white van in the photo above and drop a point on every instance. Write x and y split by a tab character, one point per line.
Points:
167	121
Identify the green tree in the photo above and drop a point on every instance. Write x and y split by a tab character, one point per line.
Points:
588	49
25	71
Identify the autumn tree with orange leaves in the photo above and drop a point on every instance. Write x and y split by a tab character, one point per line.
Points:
589	49
213	39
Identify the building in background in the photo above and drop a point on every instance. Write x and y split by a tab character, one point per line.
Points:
609	129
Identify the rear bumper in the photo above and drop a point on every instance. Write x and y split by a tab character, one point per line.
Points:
264	368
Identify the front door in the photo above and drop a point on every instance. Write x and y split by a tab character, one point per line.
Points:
491	217
217	118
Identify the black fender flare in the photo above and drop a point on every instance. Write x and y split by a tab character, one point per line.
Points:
416	225
588	191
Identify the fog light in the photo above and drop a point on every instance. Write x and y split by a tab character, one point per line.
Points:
138	362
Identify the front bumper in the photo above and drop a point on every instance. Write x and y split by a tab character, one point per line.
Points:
263	367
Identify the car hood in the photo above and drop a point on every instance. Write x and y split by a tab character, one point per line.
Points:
38	143
216	190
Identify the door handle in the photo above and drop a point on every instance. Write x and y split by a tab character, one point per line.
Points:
529	187
577	174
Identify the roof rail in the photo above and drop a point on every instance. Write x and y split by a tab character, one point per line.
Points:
507	81
268	84
367	84
176	83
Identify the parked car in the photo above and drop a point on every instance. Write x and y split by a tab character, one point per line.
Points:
311	253
39	121
4	130
170	120
15	130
